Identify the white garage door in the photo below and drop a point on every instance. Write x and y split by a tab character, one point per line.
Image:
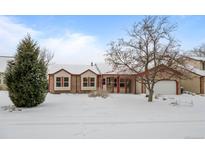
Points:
165	87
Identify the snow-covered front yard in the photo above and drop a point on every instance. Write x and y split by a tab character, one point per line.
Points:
118	116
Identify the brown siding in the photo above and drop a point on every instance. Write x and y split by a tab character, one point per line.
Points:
73	84
191	84
78	84
201	85
51	83
133	85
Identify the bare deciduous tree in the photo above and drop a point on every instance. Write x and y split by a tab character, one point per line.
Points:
150	49
199	51
46	55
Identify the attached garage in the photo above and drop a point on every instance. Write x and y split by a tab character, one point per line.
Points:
165	87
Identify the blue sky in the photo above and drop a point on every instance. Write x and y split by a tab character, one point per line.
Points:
85	38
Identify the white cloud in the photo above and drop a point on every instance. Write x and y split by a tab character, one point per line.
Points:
74	48
70	48
11	33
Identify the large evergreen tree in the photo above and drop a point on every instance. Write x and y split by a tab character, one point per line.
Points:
26	75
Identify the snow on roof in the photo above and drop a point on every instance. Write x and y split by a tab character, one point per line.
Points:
3	62
107	69
100	68
195	70
73	69
104	68
198	58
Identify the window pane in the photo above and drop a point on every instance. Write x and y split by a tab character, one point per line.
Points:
66	84
92	82
58	79
65	79
85	79
115	82
122	84
92	79
85	82
58	82
103	82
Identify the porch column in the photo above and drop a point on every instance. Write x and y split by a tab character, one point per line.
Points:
118	84
177	87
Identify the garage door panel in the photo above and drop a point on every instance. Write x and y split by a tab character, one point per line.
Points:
165	87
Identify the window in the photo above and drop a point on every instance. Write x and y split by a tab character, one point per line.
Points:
203	65
58	82
88	82
85	82
103	82
115	82
108	81
122	83
66	80
92	82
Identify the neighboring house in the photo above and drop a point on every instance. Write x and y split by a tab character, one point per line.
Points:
195	82
3	64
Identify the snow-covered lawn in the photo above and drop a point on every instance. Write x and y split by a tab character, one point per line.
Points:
118	116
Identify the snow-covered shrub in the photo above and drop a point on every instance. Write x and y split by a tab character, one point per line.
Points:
186	102
99	93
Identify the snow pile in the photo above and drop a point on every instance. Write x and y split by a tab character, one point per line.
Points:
11	108
182	100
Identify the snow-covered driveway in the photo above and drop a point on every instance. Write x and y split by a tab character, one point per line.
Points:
118	116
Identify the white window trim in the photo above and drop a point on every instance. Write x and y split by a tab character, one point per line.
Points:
89	74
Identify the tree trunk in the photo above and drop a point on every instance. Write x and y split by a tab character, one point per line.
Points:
150	98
